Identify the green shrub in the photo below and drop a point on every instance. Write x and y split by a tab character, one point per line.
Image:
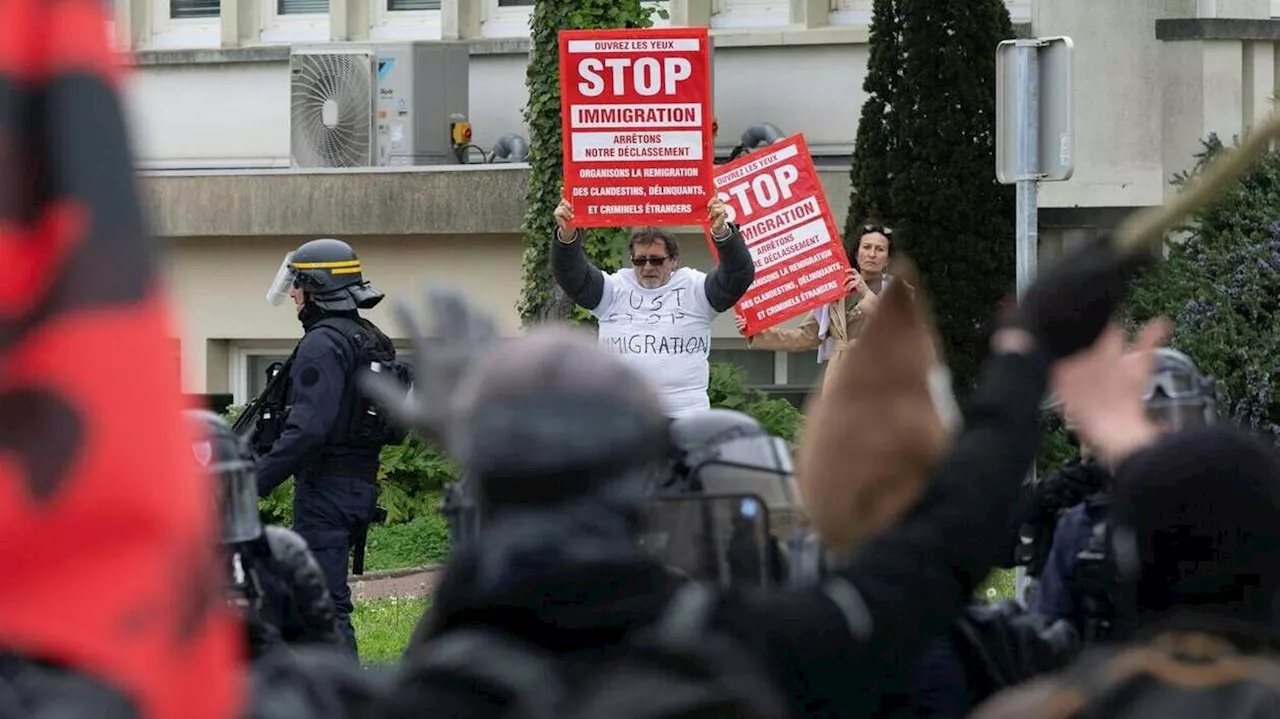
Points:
1221	287
727	389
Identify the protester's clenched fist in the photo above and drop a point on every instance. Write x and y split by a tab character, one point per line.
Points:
564	217
717	215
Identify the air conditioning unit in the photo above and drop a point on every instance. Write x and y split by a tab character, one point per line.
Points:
377	105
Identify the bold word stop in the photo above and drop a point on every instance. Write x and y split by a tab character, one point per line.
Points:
790	233
762	192
645	76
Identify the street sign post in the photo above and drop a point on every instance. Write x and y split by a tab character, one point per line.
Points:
1034	144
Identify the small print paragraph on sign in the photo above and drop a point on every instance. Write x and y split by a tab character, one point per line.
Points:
636	116
775	197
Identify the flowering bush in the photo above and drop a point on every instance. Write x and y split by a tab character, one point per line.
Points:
1221	286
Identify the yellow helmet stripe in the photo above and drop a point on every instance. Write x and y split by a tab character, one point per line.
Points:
327	265
345	270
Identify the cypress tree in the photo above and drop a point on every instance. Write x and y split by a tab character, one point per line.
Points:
874	149
937	68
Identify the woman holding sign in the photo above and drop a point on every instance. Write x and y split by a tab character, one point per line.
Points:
833	328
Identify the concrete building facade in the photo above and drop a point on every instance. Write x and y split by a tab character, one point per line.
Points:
209	107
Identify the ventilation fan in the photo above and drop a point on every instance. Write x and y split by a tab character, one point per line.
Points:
333	98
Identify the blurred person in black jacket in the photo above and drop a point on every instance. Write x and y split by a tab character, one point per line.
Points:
561	439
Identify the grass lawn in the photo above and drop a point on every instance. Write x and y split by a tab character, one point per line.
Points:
1001	584
383	627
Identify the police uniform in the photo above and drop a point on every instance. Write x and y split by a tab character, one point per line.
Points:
330	437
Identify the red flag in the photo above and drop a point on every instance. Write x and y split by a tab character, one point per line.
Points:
107	533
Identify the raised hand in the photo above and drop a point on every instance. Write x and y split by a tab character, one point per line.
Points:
462	333
564	217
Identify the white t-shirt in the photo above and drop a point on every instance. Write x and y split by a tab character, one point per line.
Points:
664	333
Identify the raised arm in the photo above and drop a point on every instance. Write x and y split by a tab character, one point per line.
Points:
731	279
580	280
787	339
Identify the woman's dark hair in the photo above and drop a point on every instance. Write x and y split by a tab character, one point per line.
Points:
864	229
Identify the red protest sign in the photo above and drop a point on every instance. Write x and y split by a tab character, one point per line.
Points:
775	197
636	117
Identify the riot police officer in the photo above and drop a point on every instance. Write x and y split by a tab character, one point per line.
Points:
319	427
272	578
1075	577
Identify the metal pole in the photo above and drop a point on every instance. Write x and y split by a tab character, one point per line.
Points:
1028	109
1027	105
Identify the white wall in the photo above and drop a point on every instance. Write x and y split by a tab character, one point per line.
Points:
237	114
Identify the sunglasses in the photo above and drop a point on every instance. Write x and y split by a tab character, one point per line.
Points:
886	231
651	261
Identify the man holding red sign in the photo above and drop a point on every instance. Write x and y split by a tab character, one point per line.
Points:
658	315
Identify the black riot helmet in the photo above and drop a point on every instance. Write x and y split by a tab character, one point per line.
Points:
728	502
228	458
1179	395
330	273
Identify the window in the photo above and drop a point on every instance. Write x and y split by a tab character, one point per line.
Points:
286	21
247	374
187	24
412	5
506	18
803	369
1275	8
759	365
194	9
256	372
406	20
851	12
751	13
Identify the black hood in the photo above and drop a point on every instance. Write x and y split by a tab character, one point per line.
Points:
566	607
1195	525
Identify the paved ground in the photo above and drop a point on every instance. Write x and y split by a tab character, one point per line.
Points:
416	582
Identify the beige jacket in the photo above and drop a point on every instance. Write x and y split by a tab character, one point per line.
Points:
844	328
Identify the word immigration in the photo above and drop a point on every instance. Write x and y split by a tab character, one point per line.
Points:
777	200
636	114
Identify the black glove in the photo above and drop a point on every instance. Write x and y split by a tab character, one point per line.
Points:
1067	308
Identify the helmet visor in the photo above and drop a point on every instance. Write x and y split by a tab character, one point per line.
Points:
238	502
721	539
1173	416
283	282
1172	385
758	466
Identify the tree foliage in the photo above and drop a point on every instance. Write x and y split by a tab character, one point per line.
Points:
924	161
1221	286
540	298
